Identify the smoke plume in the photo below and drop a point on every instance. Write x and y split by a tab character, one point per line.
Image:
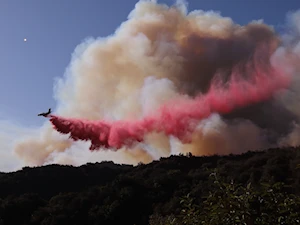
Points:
178	118
168	82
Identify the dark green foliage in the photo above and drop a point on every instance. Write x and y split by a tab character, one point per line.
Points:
16	210
175	190
230	204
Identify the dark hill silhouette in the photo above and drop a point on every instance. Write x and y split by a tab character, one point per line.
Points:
107	193
47	181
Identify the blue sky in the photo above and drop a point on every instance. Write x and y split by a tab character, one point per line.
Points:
54	28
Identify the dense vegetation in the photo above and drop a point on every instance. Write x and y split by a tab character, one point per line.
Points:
251	188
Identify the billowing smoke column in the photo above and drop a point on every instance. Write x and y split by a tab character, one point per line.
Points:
177	118
177	81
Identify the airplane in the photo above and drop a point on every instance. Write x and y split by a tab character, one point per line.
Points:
45	114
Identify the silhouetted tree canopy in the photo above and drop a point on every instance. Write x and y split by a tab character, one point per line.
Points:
173	190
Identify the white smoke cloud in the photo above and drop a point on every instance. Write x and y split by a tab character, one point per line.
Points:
10	134
151	58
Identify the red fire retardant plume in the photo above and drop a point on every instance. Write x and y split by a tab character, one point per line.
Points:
179	117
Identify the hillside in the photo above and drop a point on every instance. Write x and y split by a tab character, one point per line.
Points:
107	193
